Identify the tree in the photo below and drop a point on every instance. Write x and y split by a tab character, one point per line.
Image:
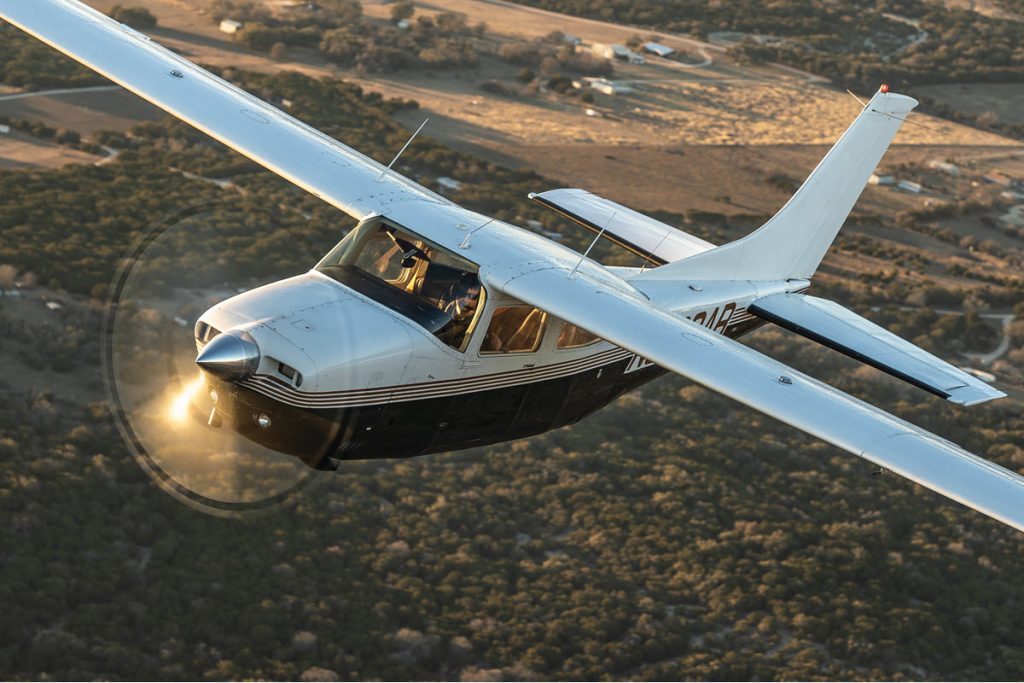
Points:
279	52
8	275
402	10
137	17
344	11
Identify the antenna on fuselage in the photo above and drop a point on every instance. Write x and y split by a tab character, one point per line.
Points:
407	143
580	262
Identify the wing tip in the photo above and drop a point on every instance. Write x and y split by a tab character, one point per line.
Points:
972	396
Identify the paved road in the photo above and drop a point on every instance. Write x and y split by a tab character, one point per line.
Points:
1004	343
61	91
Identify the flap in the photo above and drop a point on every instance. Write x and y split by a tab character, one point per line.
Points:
828	323
655	241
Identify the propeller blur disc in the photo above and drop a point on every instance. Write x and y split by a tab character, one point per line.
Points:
160	397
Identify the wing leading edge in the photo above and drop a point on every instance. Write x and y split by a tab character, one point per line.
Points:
299	153
627	319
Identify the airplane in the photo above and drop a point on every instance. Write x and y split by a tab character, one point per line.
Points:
431	327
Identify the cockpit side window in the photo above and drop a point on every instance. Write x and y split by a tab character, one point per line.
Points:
436	289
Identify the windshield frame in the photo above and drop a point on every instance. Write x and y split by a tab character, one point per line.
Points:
339	264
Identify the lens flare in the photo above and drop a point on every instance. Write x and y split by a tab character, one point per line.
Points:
180	404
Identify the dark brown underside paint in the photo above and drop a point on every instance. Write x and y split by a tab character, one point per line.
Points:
431	425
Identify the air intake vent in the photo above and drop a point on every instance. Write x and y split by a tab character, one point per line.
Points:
205	333
290	373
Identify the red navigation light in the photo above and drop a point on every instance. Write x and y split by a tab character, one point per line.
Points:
884	88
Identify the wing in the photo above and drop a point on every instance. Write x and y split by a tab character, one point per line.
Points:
627	319
315	162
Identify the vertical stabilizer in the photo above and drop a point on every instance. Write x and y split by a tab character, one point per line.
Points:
794	241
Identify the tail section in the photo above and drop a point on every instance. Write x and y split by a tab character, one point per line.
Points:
793	242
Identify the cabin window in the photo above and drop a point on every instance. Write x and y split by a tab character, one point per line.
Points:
514	329
432	287
573	337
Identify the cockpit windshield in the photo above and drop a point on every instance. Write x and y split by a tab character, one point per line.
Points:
434	288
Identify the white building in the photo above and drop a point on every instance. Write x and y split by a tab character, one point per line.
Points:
945	167
658	49
909	186
611	87
449	184
230	26
997	178
1014	217
620	52
881	179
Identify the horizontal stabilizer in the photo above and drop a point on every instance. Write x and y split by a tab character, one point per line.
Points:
651	239
828	323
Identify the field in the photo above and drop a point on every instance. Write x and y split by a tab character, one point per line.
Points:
85	110
1003	102
686	137
18	150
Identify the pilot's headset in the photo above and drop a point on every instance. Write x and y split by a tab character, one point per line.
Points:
461	287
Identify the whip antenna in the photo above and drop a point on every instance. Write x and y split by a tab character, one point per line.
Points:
407	142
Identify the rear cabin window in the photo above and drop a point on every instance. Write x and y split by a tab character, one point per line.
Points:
514	329
573	337
432	287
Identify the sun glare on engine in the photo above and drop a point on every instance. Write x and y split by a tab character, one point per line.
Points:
180	404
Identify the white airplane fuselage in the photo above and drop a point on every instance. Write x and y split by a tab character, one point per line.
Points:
341	376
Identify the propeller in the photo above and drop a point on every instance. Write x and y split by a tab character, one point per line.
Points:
163	402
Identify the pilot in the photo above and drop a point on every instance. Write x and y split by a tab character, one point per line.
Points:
461	307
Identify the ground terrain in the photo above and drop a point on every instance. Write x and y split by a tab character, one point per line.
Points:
674	535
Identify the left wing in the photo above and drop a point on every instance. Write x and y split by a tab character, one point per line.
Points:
627	319
299	153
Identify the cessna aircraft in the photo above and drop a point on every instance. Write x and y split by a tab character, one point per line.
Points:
430	327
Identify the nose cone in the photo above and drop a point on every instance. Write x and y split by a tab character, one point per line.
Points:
231	356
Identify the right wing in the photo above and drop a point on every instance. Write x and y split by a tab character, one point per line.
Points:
315	162
625	318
